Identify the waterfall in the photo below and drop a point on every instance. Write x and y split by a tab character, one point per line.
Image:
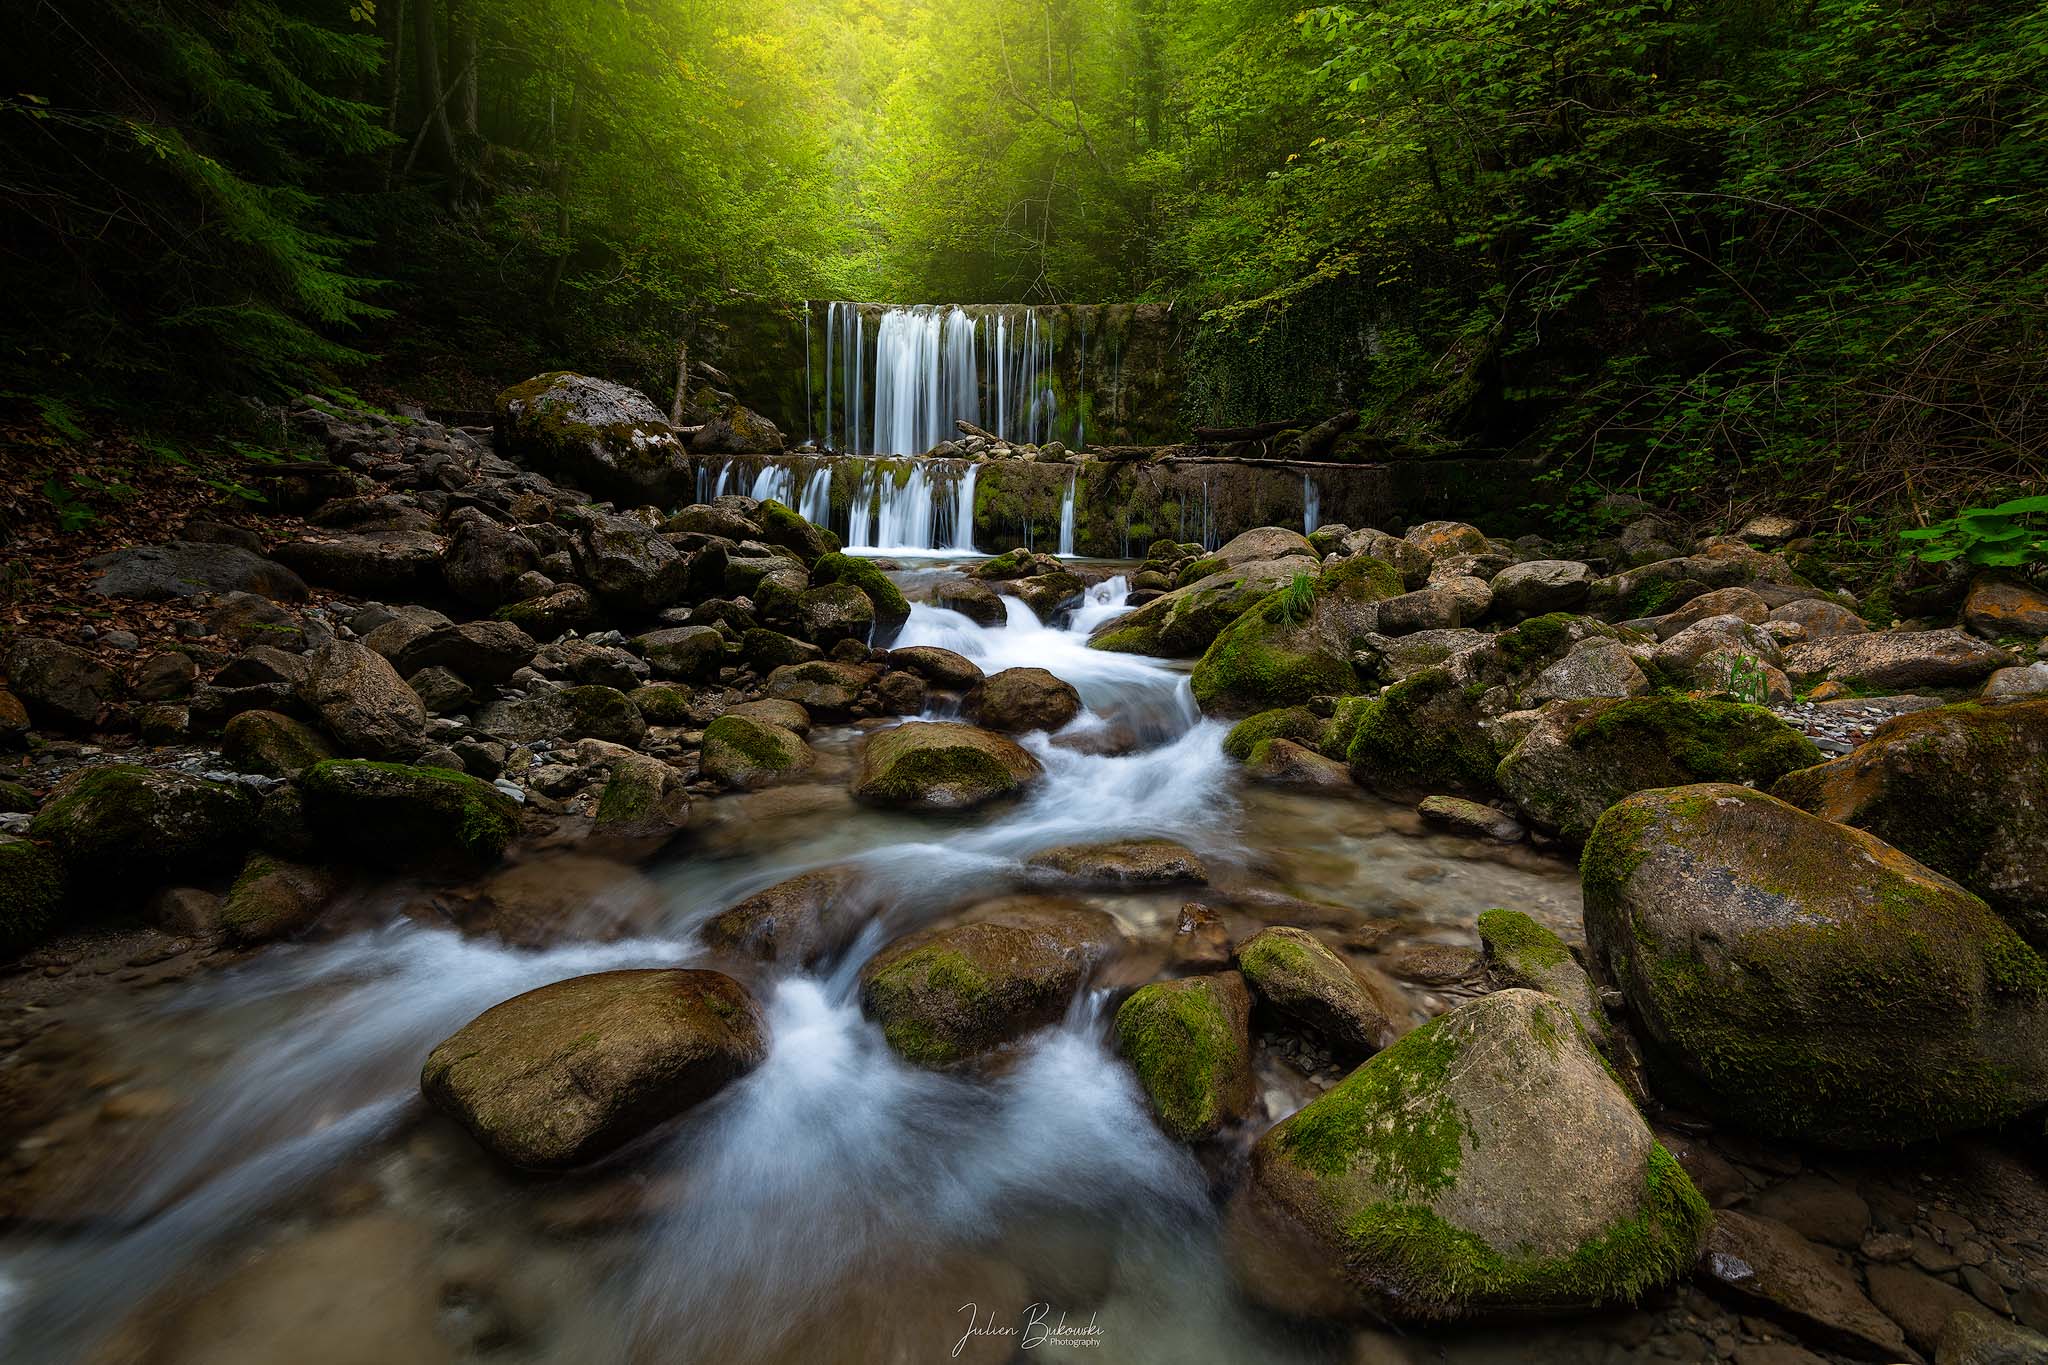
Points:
817	503
777	482
963	513
810	433
935	365
1311	505
1066	549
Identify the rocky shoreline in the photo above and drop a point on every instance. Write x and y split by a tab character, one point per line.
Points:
1812	856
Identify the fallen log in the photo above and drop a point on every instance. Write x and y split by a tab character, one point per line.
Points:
968	428
1224	435
1318	439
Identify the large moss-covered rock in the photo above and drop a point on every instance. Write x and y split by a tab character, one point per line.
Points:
604	438
891	608
1423	734
743	753
1295	723
944	996
1580	757
833	612
1521	953
826	688
1019	700
31	892
274	899
781	525
1291	971
1185	621
122	830
941	765
1808	980
1964	789
1296	643
644	800
390	814
568	1073
1485	1163
1189	1041
271	744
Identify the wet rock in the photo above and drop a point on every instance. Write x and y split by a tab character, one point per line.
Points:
890	608
568	1073
939	667
604	438
1185	622
586	712
586	661
394	563
155	573
1290	970
628	566
1484	1163
1127	862
273	899
900	694
441	691
1423	733
389	814
837	611
1817	1208
1764	1267
1807	980
1201	940
1018	700
484	562
1579	758
1537	586
785	714
944	996
644	799
547	616
941	765
1970	1337
1896	661
121	830
1294	644
363	702
781	526
61	686
271	744
740	753
711	519
1999	607
1283	763
692	653
563	899
1820	618
1046	593
1189	1041
1964	789
1519	952
664	703
978	602
1920	1304
799	920
1431	964
1459	816
767	650
483	652
31	894
827	689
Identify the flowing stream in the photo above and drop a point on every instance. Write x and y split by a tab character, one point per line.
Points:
833	1205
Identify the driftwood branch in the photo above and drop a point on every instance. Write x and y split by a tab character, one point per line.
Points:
968	428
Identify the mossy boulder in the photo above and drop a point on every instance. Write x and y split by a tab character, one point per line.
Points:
392	815
604	438
1047	593
781	525
122	830
939	667
1291	971
1580	757
767	650
562	1075
891	607
1423	734
1125	862
1296	723
589	711
1963	789
740	753
1189	1041
798	920
1484	1164
1018	700
1293	645
947	995
941	765
663	703
546	617
827	688
272	744
691	653
1521	953
1807	980
273	899
833	612
1185	622
643	800
31	894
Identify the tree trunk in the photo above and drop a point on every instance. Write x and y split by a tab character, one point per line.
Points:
563	151
391	28
675	409
464	57
433	98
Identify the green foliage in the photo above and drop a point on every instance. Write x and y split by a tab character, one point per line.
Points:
2009	536
1747	681
1297	600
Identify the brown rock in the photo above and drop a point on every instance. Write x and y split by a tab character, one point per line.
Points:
1919	1304
1766	1268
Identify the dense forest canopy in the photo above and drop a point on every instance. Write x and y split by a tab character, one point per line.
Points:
1680	247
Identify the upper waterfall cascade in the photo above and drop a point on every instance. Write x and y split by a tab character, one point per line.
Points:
896	383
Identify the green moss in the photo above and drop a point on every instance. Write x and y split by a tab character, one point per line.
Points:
122	829
1132	639
1265	659
1519	940
31	889
1196	570
1362	578
389	812
889	602
782	525
927	1000
1438	1268
1536	643
1422	733
1186	1051
1389	1114
910	777
1343	727
1712	741
1292	722
662	703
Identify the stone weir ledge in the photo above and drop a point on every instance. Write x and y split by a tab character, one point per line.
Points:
617	443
